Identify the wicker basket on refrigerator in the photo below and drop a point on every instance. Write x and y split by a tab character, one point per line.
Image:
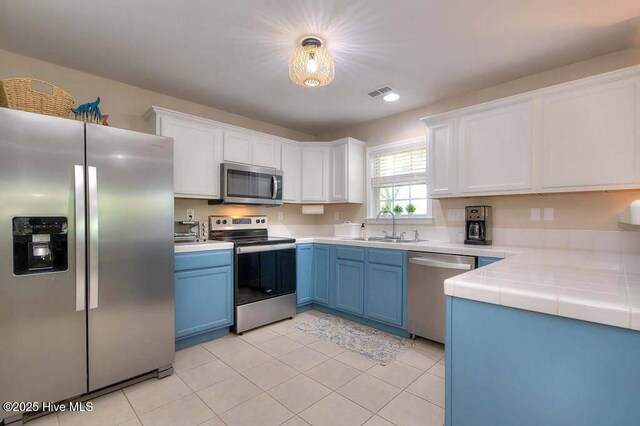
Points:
23	93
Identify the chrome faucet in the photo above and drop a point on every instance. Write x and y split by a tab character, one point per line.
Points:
393	224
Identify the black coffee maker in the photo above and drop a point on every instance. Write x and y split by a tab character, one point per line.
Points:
478	225
39	245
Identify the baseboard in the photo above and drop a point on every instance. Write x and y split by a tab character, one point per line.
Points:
185	342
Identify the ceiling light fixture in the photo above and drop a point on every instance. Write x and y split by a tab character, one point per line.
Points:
311	64
391	97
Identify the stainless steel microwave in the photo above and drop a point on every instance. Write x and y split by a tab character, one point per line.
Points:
246	184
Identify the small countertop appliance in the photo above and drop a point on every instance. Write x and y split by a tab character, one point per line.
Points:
478	225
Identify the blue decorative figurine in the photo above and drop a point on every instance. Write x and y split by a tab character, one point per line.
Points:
89	112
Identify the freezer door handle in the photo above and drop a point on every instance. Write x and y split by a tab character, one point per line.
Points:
92	189
423	261
81	249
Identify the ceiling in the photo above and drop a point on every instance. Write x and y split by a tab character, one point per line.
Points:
232	55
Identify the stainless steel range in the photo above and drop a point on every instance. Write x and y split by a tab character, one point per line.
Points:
265	270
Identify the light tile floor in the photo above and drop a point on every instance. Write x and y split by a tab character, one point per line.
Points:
277	375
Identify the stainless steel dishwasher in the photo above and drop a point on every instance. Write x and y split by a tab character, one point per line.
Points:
426	300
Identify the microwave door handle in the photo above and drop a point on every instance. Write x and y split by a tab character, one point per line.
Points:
274	181
81	250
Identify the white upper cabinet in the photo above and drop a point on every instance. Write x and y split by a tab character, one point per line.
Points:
590	136
441	151
237	147
578	136
347	171
250	148
197	153
315	172
265	152
291	172
495	149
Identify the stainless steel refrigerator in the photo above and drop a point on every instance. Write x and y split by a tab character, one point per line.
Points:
86	257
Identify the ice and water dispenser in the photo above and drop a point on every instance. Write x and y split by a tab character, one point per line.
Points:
39	245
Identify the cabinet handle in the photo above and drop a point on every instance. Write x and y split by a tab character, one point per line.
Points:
435	264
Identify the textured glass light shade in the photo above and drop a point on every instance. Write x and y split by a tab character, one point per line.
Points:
311	65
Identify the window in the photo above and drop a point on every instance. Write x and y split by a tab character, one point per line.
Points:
398	174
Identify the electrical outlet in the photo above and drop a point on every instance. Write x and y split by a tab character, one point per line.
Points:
336	216
535	214
549	213
280	216
191	215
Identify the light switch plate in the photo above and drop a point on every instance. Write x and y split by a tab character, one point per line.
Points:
535	214
280	216
455	215
549	213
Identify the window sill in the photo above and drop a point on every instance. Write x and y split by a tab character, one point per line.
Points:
414	220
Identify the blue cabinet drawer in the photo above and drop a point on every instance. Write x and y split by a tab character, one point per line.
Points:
387	257
203	259
350	253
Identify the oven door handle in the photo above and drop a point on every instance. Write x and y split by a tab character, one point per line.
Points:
269	247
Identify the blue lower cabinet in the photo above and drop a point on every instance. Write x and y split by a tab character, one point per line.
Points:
349	286
321	273
304	273
385	292
204	300
507	366
484	261
203	296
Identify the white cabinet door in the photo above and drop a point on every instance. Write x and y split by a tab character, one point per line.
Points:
339	172
265	152
441	154
590	137
237	147
315	173
197	151
356	175
291	172
495	153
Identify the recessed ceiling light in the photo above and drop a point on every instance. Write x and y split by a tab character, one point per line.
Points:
391	97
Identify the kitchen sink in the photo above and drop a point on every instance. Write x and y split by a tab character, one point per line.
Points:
380	239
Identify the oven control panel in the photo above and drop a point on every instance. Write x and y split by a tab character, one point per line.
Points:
217	223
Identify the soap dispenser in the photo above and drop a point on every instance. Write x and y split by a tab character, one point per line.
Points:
363	231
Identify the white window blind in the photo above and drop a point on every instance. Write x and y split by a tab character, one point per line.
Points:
399	167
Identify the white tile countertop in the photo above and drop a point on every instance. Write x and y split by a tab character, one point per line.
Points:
426	246
596	286
201	246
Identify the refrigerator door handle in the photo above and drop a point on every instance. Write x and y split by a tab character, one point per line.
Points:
92	175
81	249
